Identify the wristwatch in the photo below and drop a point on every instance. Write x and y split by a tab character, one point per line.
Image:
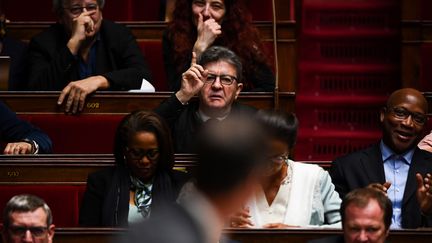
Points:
35	146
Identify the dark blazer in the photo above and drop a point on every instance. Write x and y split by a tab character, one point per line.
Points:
173	225
364	167
106	199
118	58
13	129
16	50
185	123
331	239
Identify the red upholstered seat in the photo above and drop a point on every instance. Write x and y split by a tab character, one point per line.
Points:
152	51
83	134
64	200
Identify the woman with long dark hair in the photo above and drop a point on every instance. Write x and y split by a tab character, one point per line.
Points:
142	180
199	24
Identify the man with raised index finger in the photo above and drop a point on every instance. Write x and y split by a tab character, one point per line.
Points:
395	166
216	78
83	53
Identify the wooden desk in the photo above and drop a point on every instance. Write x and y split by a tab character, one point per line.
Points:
64	169
72	169
107	235
124	102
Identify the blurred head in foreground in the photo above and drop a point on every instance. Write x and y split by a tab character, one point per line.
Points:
230	162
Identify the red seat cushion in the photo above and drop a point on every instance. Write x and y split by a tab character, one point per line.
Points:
83	134
152	50
63	200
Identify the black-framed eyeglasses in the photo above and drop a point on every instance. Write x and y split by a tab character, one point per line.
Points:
20	231
138	154
77	10
225	79
402	114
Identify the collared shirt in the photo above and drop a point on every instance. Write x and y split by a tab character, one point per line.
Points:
87	69
205	118
396	167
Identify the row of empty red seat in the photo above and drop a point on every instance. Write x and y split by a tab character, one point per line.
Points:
348	64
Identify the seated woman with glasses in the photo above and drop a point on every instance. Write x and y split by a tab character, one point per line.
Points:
142	180
292	194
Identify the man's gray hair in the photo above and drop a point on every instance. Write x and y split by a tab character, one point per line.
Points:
220	53
25	203
58	5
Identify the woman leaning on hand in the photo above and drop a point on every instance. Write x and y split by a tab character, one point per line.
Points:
142	180
199	24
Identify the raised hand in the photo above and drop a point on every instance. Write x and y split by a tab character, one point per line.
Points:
380	187
77	91
424	192
208	31
83	27
192	81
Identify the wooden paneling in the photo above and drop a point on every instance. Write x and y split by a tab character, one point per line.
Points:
73	169
124	102
104	235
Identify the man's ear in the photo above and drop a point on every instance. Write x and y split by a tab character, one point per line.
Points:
382	114
51	231
239	89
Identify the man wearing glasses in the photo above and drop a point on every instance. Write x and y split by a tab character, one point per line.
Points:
83	53
395	166
27	218
215	77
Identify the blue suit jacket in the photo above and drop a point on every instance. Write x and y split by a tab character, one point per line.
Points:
12	129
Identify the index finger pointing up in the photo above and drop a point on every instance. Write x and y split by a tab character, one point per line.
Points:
194	58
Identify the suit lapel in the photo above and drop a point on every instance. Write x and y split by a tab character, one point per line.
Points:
373	165
420	163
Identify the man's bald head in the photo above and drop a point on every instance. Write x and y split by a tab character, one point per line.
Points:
403	119
408	94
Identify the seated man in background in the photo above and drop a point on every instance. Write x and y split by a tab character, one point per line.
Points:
228	170
83	53
27	218
23	138
216	78
426	143
366	217
395	166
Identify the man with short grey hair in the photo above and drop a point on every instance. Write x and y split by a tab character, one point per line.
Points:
83	53
216	78
27	218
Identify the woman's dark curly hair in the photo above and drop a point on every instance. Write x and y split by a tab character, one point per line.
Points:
238	35
144	121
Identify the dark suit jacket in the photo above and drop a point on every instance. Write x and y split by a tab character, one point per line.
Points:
106	199
185	123
118	58
361	168
331	239
16	50
174	225
13	129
